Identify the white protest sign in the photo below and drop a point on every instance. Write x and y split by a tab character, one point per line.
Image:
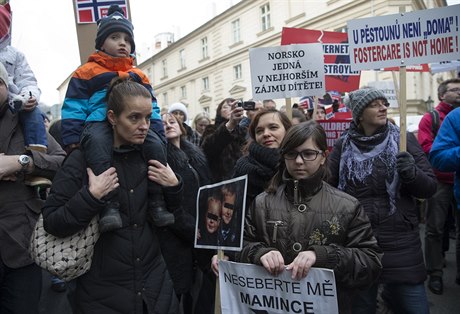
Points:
405	39
388	88
247	288
445	66
287	71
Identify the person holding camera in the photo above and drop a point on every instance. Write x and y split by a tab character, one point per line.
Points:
222	141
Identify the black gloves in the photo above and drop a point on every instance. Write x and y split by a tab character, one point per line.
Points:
405	164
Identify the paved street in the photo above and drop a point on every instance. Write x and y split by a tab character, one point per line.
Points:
448	303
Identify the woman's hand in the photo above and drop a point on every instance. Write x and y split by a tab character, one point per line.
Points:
215	264
161	174
273	262
302	264
103	184
235	116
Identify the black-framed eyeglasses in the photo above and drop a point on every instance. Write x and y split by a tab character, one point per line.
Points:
454	90
306	155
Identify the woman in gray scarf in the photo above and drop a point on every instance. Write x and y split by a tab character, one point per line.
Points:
366	163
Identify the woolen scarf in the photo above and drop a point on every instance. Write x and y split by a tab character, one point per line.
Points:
261	163
360	154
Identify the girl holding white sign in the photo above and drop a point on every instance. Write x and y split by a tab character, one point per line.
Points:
301	221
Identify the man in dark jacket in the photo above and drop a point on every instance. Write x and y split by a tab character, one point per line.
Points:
20	205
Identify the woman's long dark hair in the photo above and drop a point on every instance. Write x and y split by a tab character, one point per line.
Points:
219	119
296	136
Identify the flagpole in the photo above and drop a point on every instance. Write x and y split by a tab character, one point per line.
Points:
289	108
402	101
217	304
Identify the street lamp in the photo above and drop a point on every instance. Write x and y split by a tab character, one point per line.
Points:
429	103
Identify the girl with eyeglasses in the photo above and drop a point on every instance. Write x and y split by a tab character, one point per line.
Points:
302	222
366	163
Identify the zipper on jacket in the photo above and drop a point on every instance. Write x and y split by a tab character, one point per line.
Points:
275	223
296	192
195	173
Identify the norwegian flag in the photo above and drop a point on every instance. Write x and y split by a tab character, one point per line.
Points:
329	111
89	11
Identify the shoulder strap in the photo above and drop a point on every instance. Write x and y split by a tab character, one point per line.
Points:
434	122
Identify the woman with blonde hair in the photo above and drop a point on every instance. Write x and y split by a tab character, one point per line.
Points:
201	121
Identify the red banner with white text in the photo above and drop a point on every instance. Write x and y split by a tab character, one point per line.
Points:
337	69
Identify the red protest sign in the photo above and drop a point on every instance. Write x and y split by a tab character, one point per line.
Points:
337	69
335	127
411	68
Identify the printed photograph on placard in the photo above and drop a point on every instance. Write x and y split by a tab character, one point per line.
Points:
220	215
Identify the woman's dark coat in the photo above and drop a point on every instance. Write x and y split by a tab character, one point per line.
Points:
222	149
397	234
260	164
128	271
177	240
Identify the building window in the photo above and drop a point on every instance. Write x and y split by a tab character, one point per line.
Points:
236	31
206	109
205	83
149	74
237	74
165	99
265	16
204	47
182	58
164	66
183	92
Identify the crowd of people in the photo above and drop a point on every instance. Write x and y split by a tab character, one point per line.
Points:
115	155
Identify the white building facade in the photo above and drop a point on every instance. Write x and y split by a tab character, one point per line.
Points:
212	62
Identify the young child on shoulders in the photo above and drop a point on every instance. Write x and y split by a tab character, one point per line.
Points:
24	93
84	111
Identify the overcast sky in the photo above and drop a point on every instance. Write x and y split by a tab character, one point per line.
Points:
45	32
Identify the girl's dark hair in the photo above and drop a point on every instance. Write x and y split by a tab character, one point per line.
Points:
181	126
296	136
296	113
255	121
122	88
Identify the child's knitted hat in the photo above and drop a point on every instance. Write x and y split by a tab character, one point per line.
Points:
114	22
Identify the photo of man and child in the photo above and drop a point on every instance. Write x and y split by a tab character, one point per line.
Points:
220	213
